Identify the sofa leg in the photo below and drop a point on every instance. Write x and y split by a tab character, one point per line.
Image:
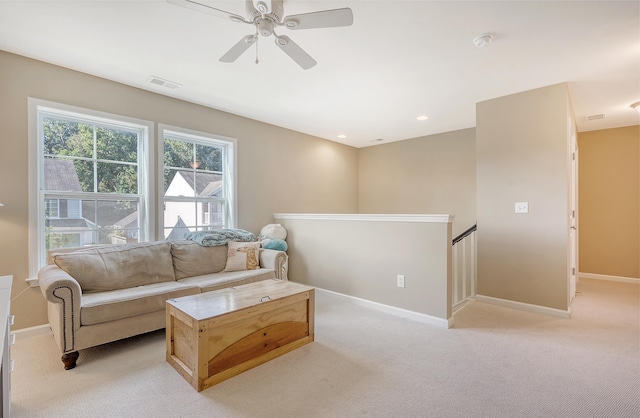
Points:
69	360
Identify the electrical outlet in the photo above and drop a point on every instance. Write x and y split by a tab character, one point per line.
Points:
400	280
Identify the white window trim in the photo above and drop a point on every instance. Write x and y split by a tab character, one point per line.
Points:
147	165
230	175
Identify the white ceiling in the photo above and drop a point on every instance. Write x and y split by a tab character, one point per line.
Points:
400	59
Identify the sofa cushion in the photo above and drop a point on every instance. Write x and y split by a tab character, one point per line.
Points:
118	266
209	282
192	259
124	303
243	256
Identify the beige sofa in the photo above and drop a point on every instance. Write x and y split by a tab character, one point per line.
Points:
103	294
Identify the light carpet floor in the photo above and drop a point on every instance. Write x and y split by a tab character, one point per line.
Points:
496	362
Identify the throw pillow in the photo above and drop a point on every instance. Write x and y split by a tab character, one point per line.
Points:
273	231
276	244
242	256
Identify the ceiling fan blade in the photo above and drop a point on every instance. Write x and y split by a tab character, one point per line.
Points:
322	19
238	49
296	53
189	4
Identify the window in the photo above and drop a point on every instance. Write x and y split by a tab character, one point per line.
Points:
89	185
93	176
53	208
197	178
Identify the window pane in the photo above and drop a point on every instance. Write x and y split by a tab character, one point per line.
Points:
209	157
61	175
178	153
69	228
117	178
55	240
117	214
85	172
213	215
62	137
180	214
116	145
91	222
179	182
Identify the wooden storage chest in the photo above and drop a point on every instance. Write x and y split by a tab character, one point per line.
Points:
216	335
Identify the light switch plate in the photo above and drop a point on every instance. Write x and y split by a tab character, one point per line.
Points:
522	207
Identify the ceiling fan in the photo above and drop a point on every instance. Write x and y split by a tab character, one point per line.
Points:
266	16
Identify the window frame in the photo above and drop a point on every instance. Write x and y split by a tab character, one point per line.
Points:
37	108
229	175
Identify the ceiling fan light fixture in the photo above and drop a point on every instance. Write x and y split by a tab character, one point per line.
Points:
483	40
265	27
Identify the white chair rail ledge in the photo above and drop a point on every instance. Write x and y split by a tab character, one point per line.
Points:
367	217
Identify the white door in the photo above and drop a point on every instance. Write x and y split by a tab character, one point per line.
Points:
573	216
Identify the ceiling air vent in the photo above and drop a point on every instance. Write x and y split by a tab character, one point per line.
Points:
596	116
164	83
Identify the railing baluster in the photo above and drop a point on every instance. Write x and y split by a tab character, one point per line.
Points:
464	266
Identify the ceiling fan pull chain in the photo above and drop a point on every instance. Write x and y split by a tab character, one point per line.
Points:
257	40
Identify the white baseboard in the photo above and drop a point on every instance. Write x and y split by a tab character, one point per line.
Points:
32	331
634	280
404	313
524	306
458	306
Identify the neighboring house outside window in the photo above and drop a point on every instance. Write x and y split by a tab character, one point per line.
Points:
63	221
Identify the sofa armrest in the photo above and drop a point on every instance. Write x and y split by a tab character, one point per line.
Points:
64	298
277	261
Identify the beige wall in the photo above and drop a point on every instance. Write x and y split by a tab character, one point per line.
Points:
362	258
278	170
432	174
609	196
522	156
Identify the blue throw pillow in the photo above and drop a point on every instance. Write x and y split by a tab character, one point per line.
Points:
276	244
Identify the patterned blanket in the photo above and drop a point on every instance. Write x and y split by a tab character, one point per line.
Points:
220	237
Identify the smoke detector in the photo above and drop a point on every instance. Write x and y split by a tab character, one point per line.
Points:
483	40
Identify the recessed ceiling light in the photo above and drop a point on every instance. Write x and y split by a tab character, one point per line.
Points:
342	136
422	117
483	40
377	140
